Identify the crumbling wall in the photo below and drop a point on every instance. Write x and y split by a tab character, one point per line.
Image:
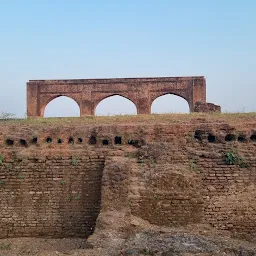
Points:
55	180
206	107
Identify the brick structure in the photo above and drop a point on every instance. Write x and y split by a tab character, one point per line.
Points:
88	93
57	176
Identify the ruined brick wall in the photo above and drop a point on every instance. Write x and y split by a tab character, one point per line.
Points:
88	93
168	172
206	107
228	190
55	196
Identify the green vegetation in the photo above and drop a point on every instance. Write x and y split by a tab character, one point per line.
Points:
1	159
8	166
147	251
62	182
155	197
1	182
74	161
233	158
131	154
5	246
77	197
192	165
230	158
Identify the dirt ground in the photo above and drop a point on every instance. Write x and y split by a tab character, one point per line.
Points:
193	240
42	247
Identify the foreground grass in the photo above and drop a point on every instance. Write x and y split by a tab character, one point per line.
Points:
153	118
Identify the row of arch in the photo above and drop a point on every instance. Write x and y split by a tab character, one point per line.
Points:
64	106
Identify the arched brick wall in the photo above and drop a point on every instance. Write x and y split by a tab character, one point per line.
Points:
141	91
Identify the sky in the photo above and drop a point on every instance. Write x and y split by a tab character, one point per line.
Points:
64	39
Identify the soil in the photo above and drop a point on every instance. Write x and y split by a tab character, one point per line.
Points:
192	240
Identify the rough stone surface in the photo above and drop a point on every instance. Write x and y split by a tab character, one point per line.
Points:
206	107
141	91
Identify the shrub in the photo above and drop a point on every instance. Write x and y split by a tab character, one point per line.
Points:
233	158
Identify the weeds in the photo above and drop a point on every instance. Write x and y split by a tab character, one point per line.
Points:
168	118
131	154
230	158
69	198
233	158
1	159
8	166
147	251
5	246
192	165
74	161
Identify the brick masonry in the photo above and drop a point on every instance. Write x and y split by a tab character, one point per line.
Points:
170	173
88	93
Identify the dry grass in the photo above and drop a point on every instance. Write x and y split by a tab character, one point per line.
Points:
153	118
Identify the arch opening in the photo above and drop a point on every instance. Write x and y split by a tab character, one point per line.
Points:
9	142
34	140
241	138
169	103
105	142
253	138
230	137
211	138
93	140
115	105
62	106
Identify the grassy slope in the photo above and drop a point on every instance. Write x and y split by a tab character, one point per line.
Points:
231	118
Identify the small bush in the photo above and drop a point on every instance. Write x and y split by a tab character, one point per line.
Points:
6	116
233	158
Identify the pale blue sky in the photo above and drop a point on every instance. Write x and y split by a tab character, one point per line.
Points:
61	39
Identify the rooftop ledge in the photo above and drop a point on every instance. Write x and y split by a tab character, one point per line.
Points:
139	79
